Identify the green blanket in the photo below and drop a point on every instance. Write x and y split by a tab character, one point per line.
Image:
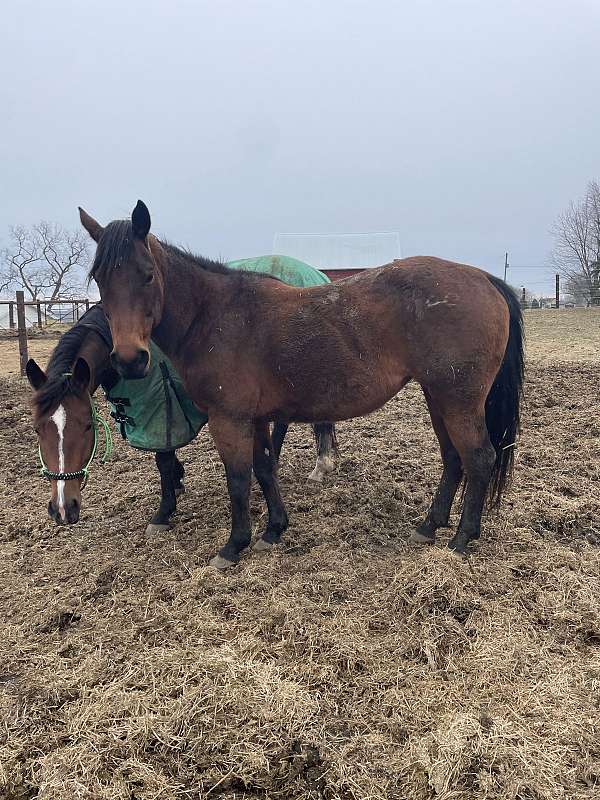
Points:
155	413
287	269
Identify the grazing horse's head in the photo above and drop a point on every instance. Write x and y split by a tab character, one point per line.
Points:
130	284
64	425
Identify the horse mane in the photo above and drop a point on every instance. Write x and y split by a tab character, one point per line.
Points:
58	385
207	264
115	246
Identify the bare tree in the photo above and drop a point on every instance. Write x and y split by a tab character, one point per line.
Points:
46	261
576	254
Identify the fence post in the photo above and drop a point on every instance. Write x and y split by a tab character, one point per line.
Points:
11	315
23	356
87	304
557	290
39	310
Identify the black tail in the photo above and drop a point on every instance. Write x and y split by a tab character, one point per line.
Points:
502	407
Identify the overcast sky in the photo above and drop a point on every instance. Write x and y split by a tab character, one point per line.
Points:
465	126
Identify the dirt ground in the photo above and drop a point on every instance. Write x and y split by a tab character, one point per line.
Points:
349	665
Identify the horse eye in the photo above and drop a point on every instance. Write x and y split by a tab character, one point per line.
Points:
148	278
88	427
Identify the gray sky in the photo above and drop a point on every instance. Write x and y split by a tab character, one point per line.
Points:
465	126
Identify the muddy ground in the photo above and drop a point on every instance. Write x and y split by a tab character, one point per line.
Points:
347	665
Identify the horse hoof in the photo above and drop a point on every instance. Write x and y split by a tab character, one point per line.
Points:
316	476
218	562
458	548
155	527
261	546
420	538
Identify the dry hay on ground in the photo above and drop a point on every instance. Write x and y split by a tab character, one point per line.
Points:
349	665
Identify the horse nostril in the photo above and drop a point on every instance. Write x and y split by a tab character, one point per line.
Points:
143	358
72	511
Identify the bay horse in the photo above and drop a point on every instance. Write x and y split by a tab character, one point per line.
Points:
67	426
251	350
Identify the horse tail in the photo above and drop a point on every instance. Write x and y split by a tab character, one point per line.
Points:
502	407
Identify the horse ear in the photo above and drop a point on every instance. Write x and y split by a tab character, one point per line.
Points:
140	220
94	229
35	375
81	375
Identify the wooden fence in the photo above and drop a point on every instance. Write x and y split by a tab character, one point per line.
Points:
66	310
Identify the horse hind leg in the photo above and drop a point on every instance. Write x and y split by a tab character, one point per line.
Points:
326	449
470	436
438	515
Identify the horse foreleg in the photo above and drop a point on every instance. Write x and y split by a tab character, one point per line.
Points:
178	476
265	469
168	502
278	436
234	441
438	515
326	448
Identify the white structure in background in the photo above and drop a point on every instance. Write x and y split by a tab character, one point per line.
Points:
31	317
339	250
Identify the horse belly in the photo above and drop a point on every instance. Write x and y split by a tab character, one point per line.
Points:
341	395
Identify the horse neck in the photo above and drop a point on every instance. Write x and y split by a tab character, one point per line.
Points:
97	354
190	297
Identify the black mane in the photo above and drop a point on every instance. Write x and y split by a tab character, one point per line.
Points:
64	355
116	246
57	385
206	264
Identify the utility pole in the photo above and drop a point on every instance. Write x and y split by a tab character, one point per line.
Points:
557	290
505	265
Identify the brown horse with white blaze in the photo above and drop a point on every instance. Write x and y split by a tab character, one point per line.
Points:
251	350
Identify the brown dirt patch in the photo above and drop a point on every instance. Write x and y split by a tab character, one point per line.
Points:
349	664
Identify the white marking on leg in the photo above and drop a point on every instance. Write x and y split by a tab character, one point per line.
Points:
59	418
324	465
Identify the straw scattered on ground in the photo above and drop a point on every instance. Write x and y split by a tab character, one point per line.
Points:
350	665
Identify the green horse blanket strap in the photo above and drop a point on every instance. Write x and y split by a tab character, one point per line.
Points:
155	413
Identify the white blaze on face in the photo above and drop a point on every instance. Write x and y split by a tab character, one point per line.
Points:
59	418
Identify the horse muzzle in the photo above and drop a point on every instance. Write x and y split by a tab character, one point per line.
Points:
70	515
131	368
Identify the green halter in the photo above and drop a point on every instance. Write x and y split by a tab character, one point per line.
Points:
97	422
